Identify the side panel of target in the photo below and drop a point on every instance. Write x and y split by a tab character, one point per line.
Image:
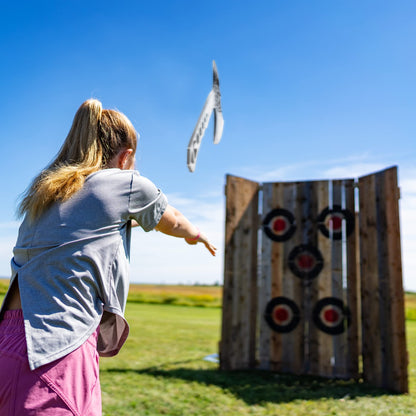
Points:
382	298
239	318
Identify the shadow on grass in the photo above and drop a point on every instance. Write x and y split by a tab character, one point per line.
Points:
258	387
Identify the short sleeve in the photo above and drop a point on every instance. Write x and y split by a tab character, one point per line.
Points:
147	203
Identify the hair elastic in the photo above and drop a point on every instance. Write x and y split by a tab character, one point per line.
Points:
195	238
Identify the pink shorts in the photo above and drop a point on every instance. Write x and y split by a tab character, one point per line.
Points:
67	386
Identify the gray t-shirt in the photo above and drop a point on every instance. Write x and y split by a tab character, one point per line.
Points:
73	264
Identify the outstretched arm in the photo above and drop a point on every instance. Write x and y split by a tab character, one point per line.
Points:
176	224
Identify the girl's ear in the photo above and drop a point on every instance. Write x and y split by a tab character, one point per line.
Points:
124	159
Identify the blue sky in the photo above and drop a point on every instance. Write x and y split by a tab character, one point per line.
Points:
310	90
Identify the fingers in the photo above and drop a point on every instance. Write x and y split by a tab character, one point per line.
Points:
203	239
211	249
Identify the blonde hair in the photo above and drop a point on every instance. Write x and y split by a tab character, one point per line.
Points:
95	137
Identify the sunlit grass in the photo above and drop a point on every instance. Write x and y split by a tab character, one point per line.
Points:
161	371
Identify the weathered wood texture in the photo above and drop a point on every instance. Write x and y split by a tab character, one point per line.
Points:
238	341
335	324
306	349
382	300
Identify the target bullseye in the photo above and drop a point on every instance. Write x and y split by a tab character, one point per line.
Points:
330	222
282	314
279	224
306	261
330	315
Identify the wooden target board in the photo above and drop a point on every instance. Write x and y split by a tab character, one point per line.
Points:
305	268
296	256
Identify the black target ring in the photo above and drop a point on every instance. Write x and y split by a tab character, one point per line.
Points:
306	261
282	314
331	316
330	221
279	224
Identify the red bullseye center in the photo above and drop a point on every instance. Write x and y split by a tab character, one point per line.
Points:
281	314
279	225
335	222
331	315
306	261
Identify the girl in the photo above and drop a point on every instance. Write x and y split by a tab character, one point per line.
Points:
68	289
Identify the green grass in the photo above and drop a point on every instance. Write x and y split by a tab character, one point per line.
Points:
410	302
161	371
181	295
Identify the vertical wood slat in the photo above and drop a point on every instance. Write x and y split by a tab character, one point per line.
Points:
238	336
399	358
276	279
352	287
321	345
383	331
384	295
265	286
293	342
307	214
339	342
371	337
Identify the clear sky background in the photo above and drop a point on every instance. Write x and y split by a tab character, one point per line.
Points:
310	90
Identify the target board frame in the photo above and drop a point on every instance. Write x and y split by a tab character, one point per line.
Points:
306	253
289	314
339	213
331	316
279	217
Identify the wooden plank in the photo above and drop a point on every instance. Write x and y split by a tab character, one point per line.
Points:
265	295
321	348
371	335
292	342
307	203
352	286
240	271
383	281
276	280
396	377
339	342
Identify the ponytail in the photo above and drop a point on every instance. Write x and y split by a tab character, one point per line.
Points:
95	137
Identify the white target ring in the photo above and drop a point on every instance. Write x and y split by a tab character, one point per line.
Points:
331	315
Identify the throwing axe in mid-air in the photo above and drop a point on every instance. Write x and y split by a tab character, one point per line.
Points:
212	103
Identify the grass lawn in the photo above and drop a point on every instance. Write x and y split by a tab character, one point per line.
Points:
161	371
